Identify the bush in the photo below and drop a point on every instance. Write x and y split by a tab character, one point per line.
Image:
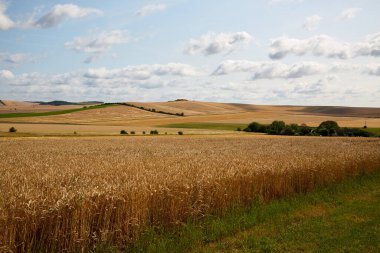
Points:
180	133
75	132
133	132
256	127
123	132
143	132
154	132
238	129
12	130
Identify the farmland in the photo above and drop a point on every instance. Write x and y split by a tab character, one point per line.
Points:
66	195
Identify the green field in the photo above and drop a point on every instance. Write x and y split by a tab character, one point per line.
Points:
36	114
375	131
339	218
207	125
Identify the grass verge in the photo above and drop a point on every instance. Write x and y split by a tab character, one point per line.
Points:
375	131
344	217
35	114
207	125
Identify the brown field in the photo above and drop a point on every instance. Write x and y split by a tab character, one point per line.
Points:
69	195
9	106
69	129
110	119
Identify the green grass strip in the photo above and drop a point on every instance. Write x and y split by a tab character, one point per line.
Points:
37	114
375	131
343	217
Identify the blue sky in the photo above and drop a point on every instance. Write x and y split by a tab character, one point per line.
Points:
300	52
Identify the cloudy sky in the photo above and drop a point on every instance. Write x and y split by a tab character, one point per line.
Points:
299	52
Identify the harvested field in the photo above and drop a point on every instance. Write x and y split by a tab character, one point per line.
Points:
9	106
65	129
113	115
196	111
66	195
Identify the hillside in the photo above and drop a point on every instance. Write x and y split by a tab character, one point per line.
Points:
194	112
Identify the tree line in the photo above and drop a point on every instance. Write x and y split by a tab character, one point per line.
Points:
326	128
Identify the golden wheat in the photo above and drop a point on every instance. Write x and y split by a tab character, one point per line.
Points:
67	195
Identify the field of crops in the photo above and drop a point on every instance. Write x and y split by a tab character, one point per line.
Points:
66	195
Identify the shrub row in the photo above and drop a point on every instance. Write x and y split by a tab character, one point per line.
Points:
152	132
153	110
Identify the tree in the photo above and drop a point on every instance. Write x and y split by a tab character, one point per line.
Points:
12	130
329	128
256	127
276	127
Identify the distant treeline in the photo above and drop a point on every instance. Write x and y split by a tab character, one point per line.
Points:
326	128
152	109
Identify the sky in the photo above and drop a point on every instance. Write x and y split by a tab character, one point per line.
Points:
281	52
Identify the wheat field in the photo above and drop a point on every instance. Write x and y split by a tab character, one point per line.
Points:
70	195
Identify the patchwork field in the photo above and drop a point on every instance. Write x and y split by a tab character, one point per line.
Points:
77	194
111	119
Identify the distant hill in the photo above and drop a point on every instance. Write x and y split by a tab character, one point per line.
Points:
61	102
344	111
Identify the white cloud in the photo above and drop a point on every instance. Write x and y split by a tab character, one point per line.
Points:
143	72
271	70
137	83
323	45
349	13
312	22
151	8
14	59
369	47
215	43
6	74
5	22
58	14
98	45
62	12
372	69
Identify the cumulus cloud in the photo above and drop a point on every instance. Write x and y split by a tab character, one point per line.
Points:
5	22
6	74
14	59
323	45
61	12
369	47
96	46
372	69
349	13
312	22
138	82
149	9
271	70
215	43
313	88
143	72
278	70
57	15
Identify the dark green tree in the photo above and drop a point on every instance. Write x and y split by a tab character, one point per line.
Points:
329	128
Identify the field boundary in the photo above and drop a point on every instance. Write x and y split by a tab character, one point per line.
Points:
252	227
152	110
